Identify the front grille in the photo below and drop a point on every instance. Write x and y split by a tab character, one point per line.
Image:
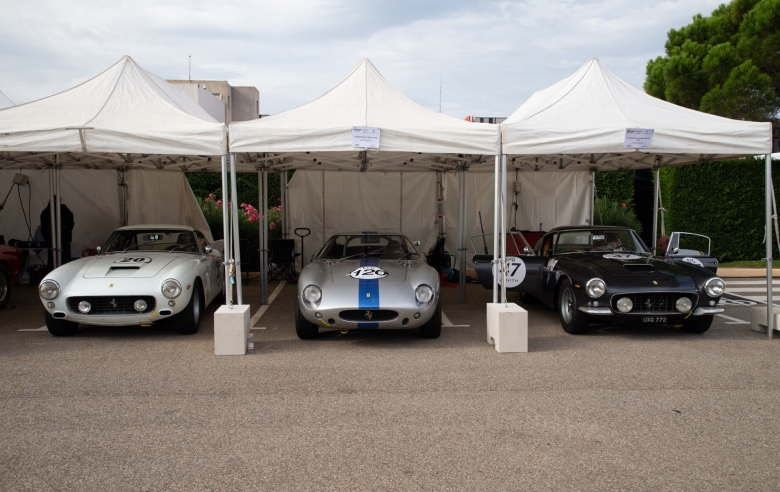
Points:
653	302
368	315
111	304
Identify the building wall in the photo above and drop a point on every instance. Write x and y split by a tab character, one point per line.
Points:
241	103
205	99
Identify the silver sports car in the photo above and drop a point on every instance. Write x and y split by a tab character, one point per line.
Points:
368	281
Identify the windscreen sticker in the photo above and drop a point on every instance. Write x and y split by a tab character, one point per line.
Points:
693	261
515	272
368	273
134	260
551	264
622	256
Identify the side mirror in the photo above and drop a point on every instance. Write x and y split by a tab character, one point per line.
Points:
416	243
208	249
97	250
527	250
676	250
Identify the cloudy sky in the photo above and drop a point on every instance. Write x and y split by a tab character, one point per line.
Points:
490	56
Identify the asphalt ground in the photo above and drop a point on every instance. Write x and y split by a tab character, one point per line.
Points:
623	407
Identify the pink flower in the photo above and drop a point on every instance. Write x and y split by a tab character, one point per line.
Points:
272	226
623	205
218	203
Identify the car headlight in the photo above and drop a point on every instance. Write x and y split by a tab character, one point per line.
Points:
423	293
312	295
595	287
714	287
625	304
49	289
171	288
683	304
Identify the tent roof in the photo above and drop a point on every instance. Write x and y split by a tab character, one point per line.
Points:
4	101
581	122
125	109
321	131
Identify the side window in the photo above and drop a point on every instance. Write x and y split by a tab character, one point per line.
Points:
549	245
202	241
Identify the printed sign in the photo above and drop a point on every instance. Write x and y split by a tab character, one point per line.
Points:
515	272
133	260
365	137
622	256
693	261
638	138
439	208
368	273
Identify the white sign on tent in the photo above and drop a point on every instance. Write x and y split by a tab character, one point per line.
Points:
365	137
638	138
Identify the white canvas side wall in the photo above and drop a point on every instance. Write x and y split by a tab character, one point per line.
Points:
158	197
92	195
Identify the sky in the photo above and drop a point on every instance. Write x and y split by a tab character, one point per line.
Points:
488	57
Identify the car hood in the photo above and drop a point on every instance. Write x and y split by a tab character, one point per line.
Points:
129	265
630	265
346	272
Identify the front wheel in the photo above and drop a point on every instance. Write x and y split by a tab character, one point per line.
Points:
5	286
305	329
699	324
60	327
573	320
432	329
187	322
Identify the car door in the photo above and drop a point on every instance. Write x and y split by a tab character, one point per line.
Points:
213	277
693	249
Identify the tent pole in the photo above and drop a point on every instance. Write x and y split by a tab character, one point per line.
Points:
226	234
503	228
496	212
769	191
264	246
592	195
236	242
283	193
58	213
440	194
53	221
462	232
261	229
656	191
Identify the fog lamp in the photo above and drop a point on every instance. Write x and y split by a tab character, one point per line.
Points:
625	305
318	315
140	305
712	303
683	304
84	307
50	305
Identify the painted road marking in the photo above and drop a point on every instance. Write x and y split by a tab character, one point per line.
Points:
446	323
42	328
748	289
260	312
734	321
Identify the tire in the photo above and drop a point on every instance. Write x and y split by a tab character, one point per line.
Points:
432	329
59	327
5	286
305	329
527	299
187	322
699	324
573	321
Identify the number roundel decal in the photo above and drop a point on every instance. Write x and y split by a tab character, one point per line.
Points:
515	272
693	261
622	256
129	260
368	273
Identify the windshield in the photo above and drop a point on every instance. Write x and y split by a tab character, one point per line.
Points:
621	240
151	240
392	247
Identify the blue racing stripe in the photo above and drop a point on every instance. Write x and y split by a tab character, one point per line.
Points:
368	289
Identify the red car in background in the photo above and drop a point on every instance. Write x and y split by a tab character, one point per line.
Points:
10	264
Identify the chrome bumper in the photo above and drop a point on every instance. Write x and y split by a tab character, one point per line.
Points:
601	311
700	311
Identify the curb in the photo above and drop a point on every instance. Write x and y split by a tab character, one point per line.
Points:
747	272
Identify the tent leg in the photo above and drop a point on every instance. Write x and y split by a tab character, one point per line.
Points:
226	233
503	228
496	213
592	195
440	194
769	192
264	265
462	232
261	239
283	193
53	221
236	242
656	191
58	212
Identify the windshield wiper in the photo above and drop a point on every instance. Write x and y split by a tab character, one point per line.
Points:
181	246
139	245
361	255
407	254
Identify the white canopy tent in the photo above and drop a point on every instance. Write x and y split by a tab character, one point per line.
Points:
319	135
595	121
126	119
4	101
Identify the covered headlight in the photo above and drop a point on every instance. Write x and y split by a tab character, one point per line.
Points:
84	307
595	287
423	293
312	295
714	287
625	304
49	289
171	288
140	305
683	304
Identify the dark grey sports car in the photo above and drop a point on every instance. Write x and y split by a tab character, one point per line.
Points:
608	273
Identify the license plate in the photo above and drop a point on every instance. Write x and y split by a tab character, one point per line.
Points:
654	319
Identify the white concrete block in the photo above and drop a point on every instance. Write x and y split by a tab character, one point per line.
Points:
507	327
758	319
231	329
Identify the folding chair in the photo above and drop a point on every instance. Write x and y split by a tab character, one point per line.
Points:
282	259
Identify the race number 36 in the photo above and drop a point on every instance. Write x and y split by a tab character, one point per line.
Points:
515	272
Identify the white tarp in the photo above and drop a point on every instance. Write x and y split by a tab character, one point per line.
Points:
4	101
123	110
405	202
154	197
581	123
324	128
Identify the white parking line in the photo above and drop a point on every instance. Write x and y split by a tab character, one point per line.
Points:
42	328
260	312
734	321
446	323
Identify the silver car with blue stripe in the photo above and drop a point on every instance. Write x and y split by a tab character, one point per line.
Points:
368	281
